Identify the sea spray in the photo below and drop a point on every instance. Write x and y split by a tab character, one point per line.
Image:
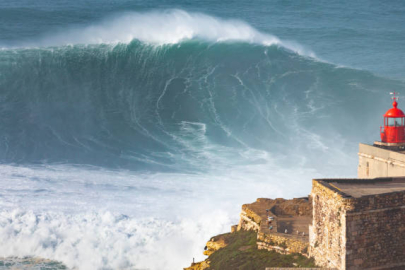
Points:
126	220
164	27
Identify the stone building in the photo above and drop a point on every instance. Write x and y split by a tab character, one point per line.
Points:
379	160
358	223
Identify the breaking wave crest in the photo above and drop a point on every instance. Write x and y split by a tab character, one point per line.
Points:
165	27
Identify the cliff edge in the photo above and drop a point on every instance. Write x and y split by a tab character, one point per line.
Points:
270	233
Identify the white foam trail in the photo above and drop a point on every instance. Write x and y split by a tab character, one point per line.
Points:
167	27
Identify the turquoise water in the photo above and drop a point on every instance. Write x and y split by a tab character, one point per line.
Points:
130	130
360	34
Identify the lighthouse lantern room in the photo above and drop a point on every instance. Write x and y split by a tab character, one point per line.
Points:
393	132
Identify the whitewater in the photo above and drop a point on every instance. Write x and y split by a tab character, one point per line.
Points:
128	143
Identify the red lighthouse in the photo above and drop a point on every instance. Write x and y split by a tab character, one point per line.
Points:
393	132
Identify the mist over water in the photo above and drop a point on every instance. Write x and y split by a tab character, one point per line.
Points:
133	140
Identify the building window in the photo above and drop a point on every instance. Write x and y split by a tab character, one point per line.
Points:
395	122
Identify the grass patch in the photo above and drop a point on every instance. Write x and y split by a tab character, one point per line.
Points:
236	255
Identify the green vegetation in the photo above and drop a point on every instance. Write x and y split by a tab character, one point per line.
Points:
241	253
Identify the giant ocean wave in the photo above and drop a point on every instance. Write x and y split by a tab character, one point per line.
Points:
168	107
114	137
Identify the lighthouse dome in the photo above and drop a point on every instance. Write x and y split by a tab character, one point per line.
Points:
394	112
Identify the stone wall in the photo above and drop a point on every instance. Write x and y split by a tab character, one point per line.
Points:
282	243
378	162
327	235
376	232
294	207
357	233
254	215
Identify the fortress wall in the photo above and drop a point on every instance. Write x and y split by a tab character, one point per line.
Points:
378	162
375	232
294	207
378	202
327	237
357	233
282	244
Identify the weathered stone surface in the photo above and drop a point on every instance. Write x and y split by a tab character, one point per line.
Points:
327	235
249	221
282	244
214	244
362	232
291	215
198	266
234	228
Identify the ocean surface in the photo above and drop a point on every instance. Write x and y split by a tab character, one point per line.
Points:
133	131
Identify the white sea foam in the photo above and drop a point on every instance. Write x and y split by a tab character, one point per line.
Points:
92	218
104	240
166	27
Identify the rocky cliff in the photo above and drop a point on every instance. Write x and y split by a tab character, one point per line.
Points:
253	245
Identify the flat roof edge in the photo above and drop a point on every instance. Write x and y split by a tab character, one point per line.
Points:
327	182
359	180
329	186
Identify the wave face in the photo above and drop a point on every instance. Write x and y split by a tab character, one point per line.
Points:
167	107
113	139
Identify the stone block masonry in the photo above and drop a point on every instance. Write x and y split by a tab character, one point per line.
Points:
327	235
282	243
358	224
376	232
